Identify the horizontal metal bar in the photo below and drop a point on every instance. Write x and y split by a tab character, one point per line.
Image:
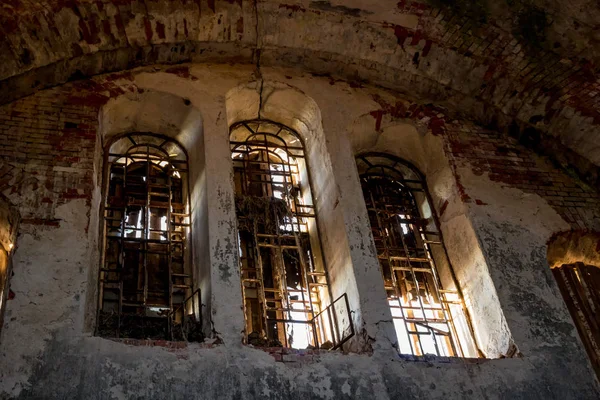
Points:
413	259
414	269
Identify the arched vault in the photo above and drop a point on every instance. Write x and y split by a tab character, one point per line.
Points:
528	68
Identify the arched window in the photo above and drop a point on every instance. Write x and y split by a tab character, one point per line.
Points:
284	282
146	283
424	298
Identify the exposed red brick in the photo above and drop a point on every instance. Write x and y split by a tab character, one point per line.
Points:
106	27
510	164
427	47
211	4
489	74
443	207
54	135
292	7
437	126
401	34
119	24
378	115
160	29
38	221
240	25
148	29
89	31
88	99
182	71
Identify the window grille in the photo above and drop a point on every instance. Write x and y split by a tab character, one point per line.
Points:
580	287
424	298
146	287
284	283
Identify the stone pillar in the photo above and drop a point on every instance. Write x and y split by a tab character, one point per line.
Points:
226	296
361	273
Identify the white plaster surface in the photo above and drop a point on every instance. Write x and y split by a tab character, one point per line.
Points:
43	348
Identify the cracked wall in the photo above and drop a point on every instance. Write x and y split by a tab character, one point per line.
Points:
517	66
506	221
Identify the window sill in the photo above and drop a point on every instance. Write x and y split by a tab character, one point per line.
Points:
160	343
287	355
442	359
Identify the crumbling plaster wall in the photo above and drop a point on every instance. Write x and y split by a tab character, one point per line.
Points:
416	144
514	228
288	105
53	260
173	116
525	66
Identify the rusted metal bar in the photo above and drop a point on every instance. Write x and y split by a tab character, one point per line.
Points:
266	169
139	184
403	243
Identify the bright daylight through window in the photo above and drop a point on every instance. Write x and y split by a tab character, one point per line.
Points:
146	283
284	282
424	298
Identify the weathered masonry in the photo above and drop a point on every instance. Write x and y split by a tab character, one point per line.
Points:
306	200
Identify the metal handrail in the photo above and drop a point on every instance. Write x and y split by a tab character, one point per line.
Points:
338	338
171	315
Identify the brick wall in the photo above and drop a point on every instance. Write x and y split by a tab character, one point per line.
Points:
530	62
511	164
506	160
46	153
48	140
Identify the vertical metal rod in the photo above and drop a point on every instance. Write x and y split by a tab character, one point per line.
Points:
169	168
450	267
278	269
258	142
260	290
331	326
123	229
432	282
146	228
386	250
417	287
445	309
139	153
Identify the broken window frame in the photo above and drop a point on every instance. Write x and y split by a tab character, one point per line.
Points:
274	182
442	315
162	185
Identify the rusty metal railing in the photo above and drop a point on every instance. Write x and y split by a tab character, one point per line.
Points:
330	328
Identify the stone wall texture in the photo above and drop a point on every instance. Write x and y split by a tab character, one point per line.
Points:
495	102
519	64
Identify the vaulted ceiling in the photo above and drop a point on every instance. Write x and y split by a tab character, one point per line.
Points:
527	67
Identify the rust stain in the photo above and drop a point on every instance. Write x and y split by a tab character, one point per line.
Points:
160	29
240	25
443	207
148	29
